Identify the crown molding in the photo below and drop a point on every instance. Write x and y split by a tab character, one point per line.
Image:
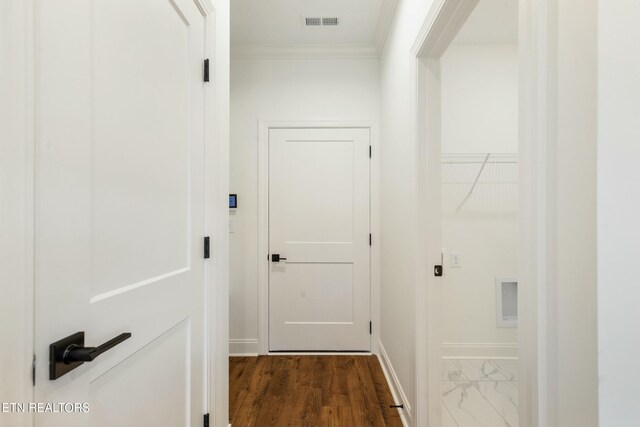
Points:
302	51
322	51
387	12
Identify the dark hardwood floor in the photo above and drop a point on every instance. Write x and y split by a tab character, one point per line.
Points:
314	391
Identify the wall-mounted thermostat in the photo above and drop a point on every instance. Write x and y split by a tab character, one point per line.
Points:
233	201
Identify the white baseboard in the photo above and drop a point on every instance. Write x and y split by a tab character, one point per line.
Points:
243	347
463	350
397	392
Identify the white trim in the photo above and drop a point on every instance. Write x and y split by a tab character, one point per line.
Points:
217	130
376	247
479	358
205	7
263	237
444	20
397	391
264	124
442	24
305	51
17	191
479	350
243	347
536	92
387	13
426	315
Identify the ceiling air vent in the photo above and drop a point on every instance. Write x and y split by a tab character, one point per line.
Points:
313	22
329	21
320	22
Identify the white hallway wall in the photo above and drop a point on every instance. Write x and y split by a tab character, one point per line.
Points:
479	115
618	206
397	73
280	88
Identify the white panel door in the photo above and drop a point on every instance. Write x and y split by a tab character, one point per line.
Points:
319	296
120	211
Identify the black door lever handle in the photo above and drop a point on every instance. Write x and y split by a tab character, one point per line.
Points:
74	353
277	258
69	353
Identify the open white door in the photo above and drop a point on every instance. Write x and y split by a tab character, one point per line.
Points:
319	277
120	209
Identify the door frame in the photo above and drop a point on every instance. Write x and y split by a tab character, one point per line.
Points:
441	25
20	228
264	125
17	121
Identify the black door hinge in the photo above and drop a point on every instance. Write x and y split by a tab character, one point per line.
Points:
206	247
33	371
370	239
370	328
369	151
206	70
206	420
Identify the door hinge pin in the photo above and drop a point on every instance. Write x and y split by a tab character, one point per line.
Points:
206	70
370	239
206	420
370	328
206	248
33	370
370	151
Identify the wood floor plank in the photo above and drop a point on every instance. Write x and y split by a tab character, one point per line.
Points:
334	386
345	415
295	391
329	416
369	388
391	415
249	408
240	372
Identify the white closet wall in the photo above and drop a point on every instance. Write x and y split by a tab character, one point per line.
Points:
479	200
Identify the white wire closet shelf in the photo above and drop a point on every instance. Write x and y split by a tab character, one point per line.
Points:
480	183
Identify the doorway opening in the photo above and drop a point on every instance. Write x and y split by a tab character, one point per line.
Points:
479	219
468	185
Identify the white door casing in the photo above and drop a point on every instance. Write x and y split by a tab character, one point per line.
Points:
120	208
319	197
440	27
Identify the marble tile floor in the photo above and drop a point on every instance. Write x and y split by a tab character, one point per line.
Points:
480	393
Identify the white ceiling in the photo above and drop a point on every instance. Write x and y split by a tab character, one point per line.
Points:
280	21
491	22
